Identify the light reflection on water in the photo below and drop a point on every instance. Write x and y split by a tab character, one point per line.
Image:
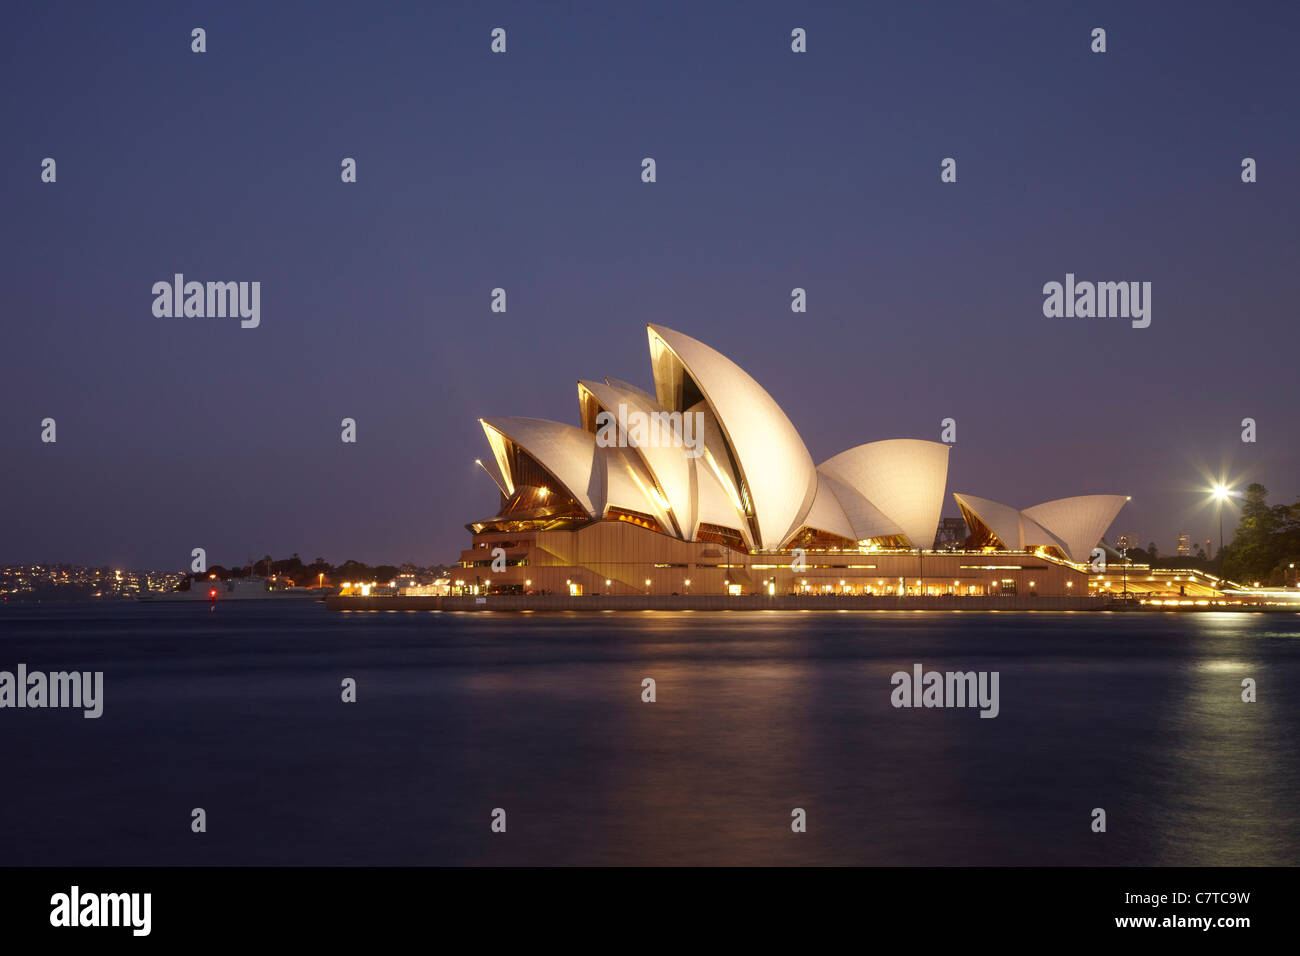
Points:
757	713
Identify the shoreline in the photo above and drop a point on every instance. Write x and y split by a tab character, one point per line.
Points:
718	602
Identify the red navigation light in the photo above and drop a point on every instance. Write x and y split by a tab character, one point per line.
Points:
212	593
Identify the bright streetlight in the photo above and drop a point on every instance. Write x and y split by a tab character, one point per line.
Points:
1221	494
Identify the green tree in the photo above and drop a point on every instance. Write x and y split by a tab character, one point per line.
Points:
1256	545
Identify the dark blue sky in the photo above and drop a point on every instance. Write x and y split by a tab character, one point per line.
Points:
523	171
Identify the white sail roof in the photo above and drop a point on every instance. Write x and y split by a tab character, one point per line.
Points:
568	453
774	468
827	514
715	504
667	461
1074	525
1033	535
628	485
1079	522
867	520
902	477
1002	520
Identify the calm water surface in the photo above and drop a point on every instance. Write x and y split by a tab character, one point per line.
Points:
237	710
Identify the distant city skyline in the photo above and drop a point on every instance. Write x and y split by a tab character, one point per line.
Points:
522	171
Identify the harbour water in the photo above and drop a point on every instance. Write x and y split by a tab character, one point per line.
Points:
237	710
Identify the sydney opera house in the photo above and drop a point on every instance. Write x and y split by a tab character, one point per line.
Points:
705	486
